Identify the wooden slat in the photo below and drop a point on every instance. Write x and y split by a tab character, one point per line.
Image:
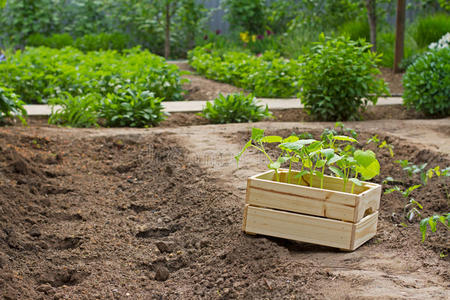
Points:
369	201
364	230
310	192
299	227
264	192
300	204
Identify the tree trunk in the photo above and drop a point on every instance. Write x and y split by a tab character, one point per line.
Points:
167	30
399	34
372	17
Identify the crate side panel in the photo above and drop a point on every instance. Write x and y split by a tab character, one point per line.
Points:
305	191
299	227
365	230
300	204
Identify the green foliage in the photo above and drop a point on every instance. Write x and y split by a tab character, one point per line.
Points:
427	83
267	75
235	108
432	223
56	41
11	105
356	29
78	111
335	152
339	79
142	22
102	41
246	15
386	46
431	28
39	74
131	108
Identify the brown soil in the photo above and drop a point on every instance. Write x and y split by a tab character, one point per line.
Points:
393	80
156	214
200	88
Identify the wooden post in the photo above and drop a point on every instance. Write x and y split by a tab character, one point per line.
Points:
372	17
399	34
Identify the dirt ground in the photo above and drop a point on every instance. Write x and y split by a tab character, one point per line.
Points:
156	214
200	88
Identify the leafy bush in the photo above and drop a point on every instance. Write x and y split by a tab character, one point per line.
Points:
78	111
431	28
427	83
11	105
39	74
386	46
339	79
56	41
131	108
356	29
235	108
102	41
267	75
247	15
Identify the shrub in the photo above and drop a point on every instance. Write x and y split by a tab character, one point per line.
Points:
78	111
355	30
339	79
11	105
102	41
247	15
39	74
427	83
267	75
386	46
431	28
131	108
235	108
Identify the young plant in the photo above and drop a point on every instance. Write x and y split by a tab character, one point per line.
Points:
11	105
411	169
313	157
412	208
235	108
432	223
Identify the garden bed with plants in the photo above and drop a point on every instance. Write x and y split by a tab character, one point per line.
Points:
157	213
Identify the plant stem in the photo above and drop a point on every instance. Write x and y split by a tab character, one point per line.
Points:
321	179
289	174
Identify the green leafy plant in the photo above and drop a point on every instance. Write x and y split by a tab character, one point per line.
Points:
267	75
313	157
78	111
56	41
430	28
131	108
235	108
412	169
412	207
11	105
39	74
427	84
356	29
338	79
432	223
102	41
248	15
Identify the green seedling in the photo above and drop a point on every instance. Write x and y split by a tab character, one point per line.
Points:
390	147
374	139
436	171
432	223
404	193
313	157
412	209
412	169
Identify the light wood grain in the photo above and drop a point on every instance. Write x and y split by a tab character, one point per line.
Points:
264	192
364	230
298	227
304	228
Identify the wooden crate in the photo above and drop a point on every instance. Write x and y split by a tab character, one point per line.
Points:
310	229
329	202
328	216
